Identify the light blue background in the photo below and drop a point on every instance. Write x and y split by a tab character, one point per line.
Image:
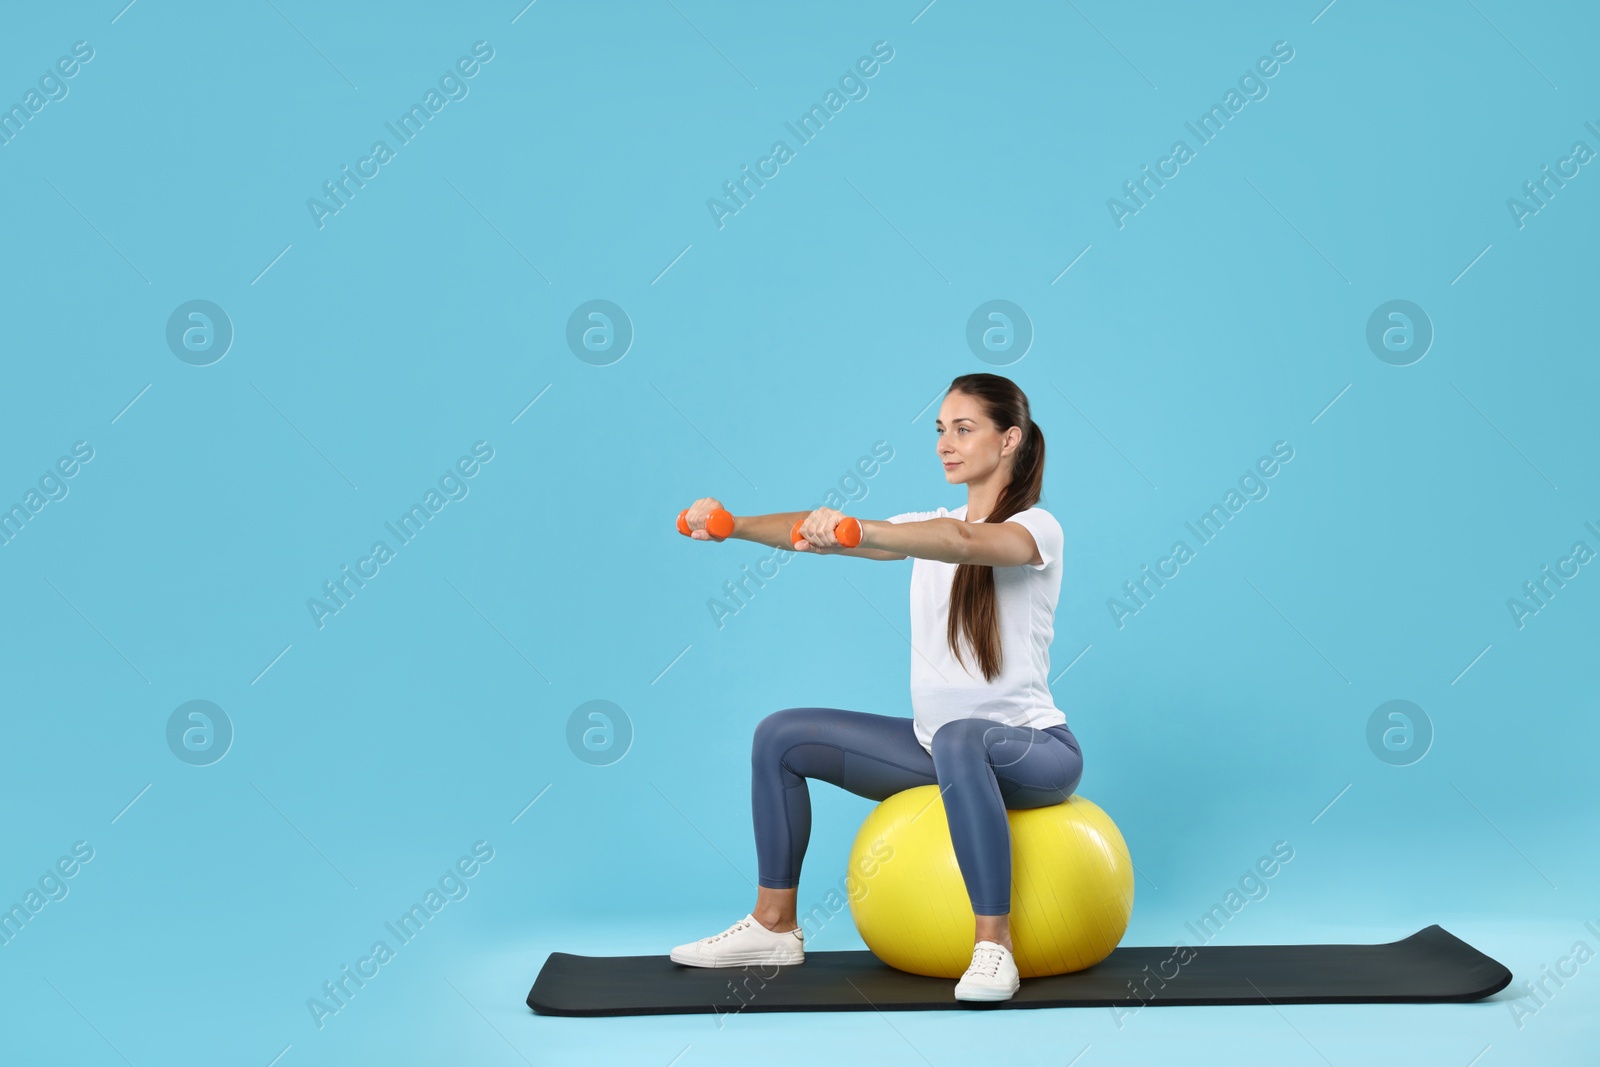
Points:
770	355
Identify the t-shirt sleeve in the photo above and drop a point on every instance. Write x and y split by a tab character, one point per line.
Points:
916	516
1046	532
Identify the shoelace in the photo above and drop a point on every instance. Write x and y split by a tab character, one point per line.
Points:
735	928
986	961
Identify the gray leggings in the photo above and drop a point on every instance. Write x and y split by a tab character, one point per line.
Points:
981	767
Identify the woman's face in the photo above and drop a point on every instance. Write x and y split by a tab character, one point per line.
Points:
969	445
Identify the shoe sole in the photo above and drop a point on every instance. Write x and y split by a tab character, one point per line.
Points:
735	961
986	995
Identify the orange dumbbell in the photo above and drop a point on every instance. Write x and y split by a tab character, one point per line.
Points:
719	524
848	531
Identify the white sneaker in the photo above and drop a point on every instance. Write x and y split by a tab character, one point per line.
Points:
992	975
743	944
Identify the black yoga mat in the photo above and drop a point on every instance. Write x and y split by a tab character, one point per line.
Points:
1430	965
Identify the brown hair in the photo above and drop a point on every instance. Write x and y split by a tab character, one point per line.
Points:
973	609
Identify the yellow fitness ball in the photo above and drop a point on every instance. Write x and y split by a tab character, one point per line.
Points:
1071	887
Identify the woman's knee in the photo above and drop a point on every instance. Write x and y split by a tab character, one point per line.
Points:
779	732
961	737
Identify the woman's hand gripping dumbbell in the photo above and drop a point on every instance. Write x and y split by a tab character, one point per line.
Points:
705	520
846	531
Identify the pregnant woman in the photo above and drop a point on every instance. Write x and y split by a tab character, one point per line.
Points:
984	728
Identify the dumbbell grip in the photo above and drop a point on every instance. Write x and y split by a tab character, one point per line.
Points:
719	524
847	530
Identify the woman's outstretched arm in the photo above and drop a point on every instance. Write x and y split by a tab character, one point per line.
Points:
1002	544
937	539
947	540
944	540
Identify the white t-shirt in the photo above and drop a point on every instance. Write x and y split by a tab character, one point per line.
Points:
942	688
